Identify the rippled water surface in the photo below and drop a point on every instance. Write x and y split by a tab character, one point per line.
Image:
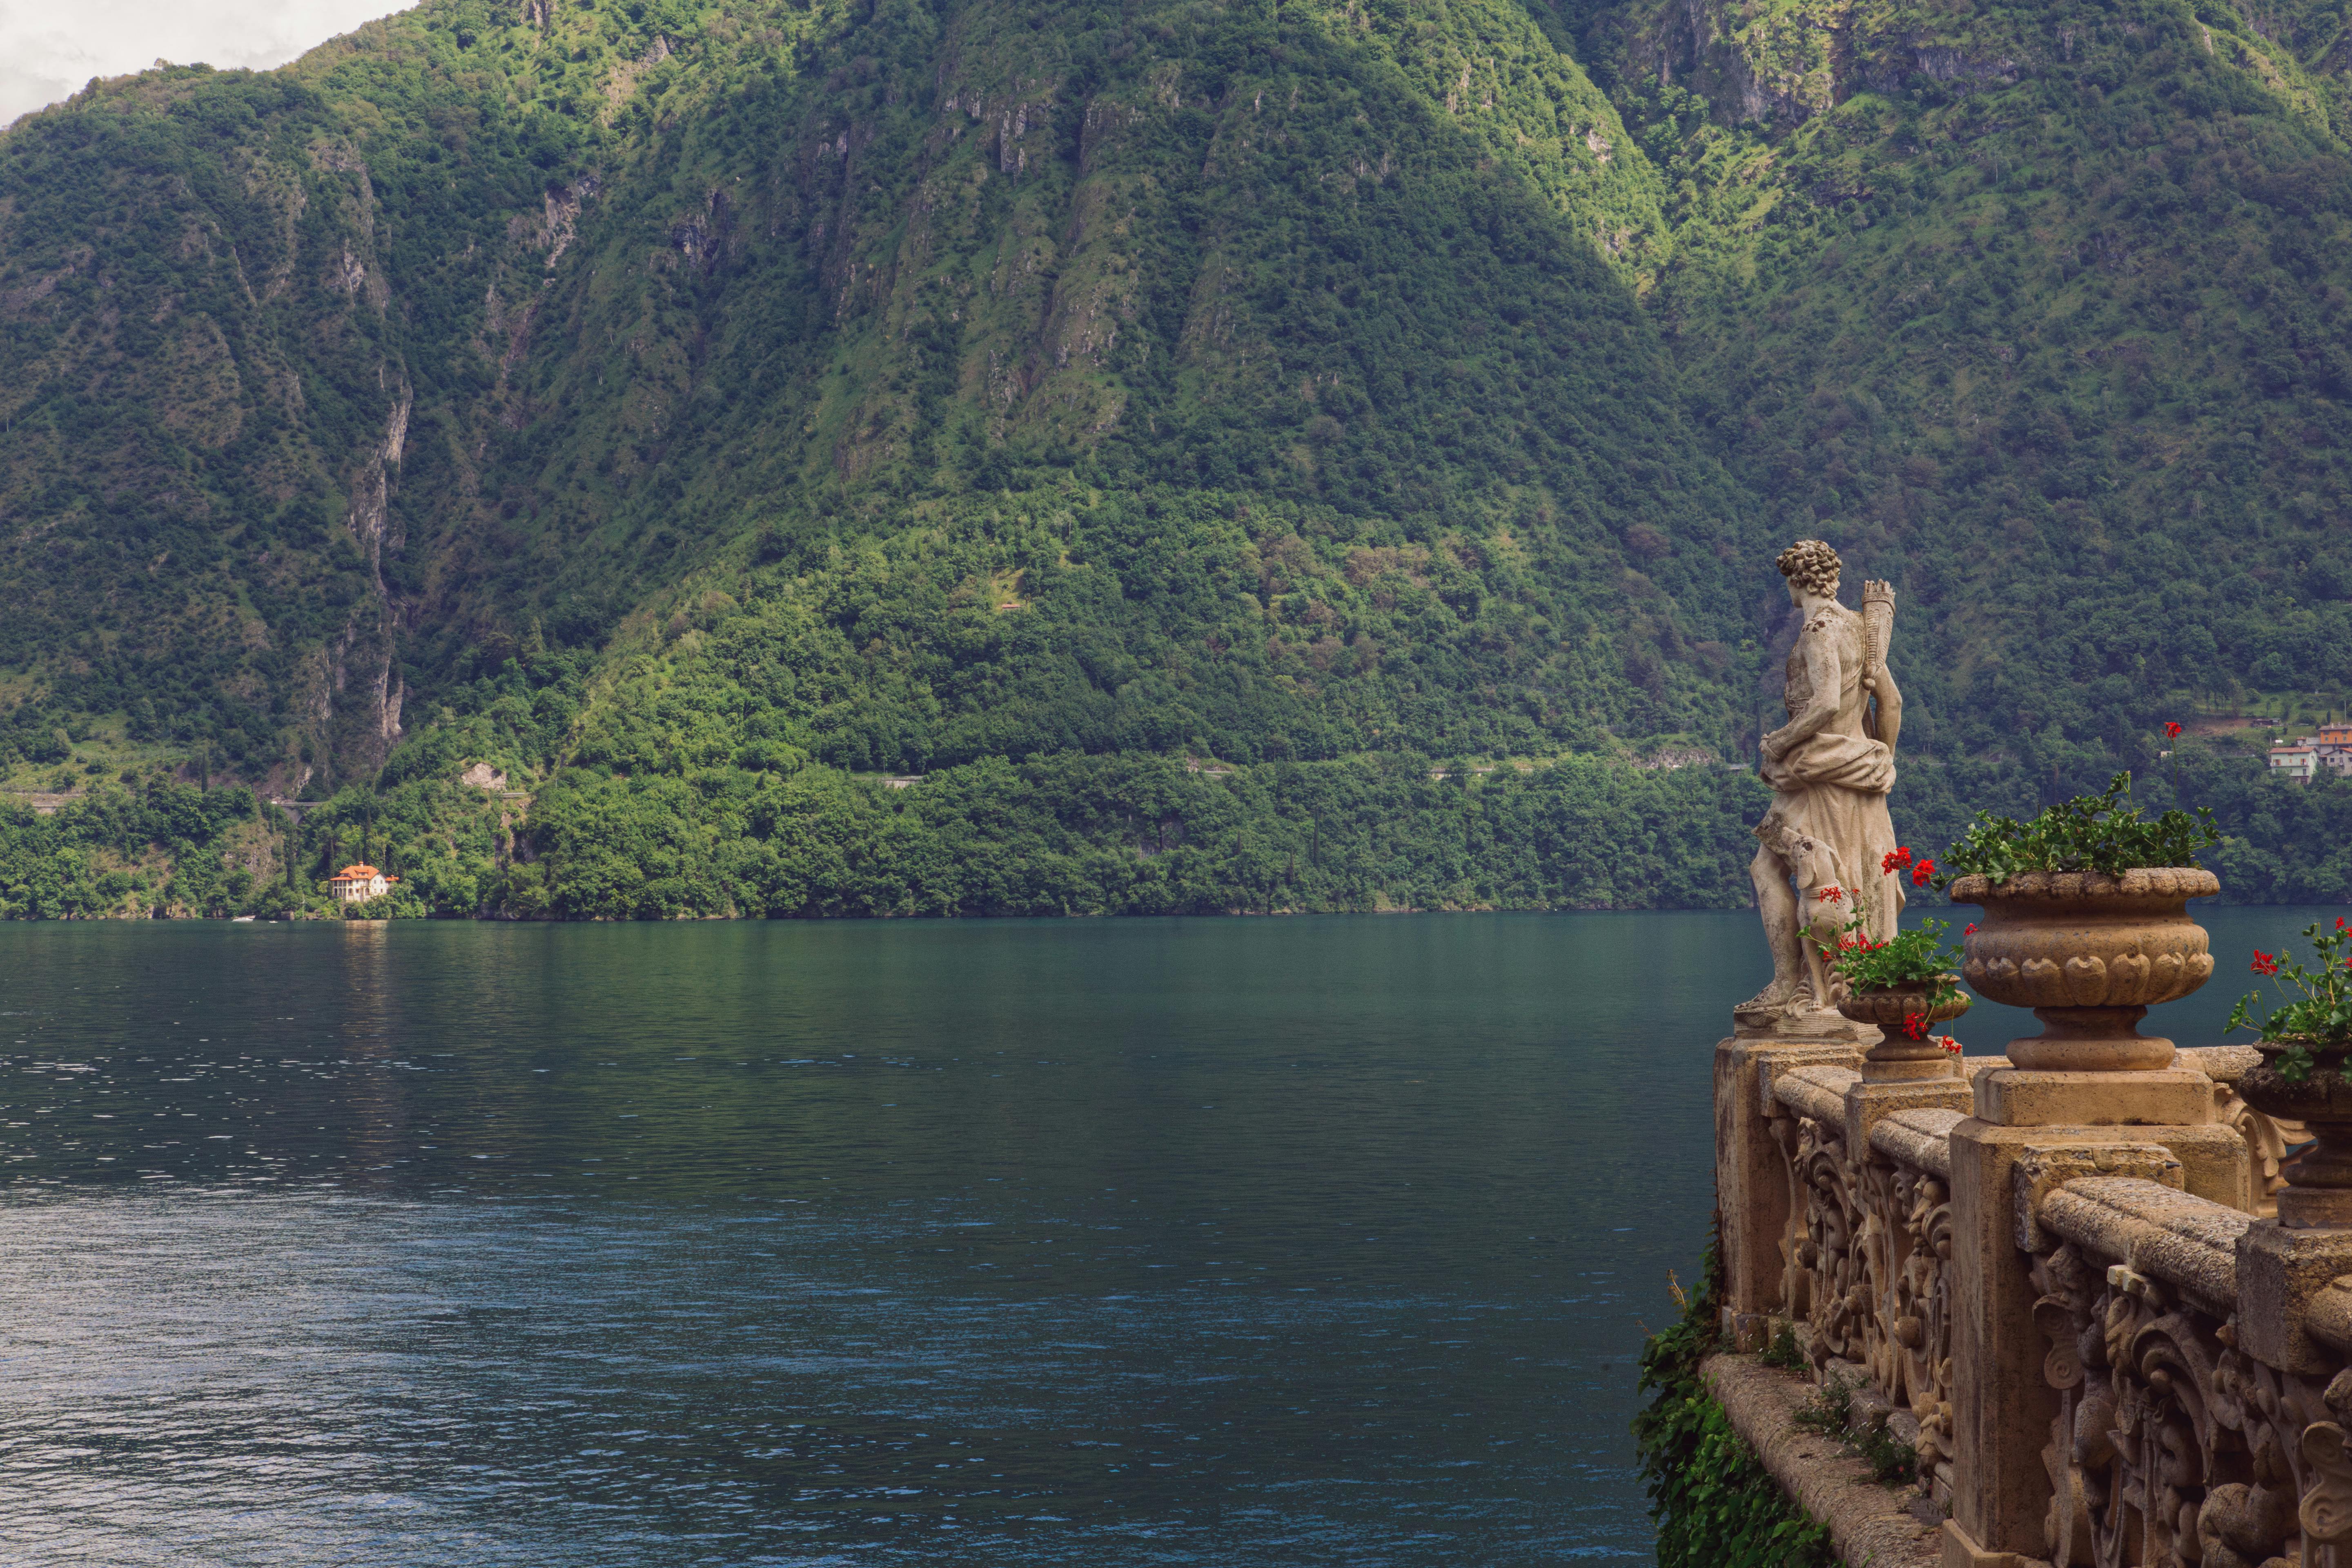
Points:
1246	1242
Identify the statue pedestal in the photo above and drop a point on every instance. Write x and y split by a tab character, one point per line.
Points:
1801	1024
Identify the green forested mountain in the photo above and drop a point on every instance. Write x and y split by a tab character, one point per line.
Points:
2045	307
686	411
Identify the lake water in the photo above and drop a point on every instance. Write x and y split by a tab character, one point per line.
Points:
1122	1242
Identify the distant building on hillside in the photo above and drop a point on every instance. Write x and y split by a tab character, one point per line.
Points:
354	883
2302	759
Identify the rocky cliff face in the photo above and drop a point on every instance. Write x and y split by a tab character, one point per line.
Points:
1780	64
209	403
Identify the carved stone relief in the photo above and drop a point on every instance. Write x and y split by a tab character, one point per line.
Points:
2171	1447
1866	1263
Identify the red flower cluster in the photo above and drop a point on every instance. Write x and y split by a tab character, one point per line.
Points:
1915	1026
2171	730
1970	928
1833	895
1921	872
1949	1043
2265	962
1892	858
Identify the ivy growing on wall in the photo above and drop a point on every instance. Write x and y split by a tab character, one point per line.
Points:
1715	1504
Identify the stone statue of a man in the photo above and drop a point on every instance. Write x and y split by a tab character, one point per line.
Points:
1827	833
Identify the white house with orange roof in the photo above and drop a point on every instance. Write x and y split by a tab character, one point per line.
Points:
356	883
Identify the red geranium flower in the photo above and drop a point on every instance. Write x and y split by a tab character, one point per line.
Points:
1921	872
1915	1026
2171	730
1833	895
1970	928
1949	1044
2264	964
1893	858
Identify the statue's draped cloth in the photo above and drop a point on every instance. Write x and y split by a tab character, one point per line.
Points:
1828	820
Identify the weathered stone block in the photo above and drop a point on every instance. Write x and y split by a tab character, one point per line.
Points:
1921	1139
2279	1271
1960	1551
1867	1102
2173	1097
2041	1169
1750	1333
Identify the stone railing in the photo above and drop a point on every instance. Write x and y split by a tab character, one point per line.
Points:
1864	1251
2066	1294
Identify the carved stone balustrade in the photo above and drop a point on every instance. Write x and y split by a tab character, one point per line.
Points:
2156	1374
1864	1250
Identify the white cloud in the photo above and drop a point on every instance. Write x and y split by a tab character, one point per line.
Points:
50	50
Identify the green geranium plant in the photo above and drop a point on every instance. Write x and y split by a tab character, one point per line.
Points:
2102	832
2317	1012
1915	959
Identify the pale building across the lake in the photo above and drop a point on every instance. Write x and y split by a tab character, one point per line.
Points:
354	883
2301	760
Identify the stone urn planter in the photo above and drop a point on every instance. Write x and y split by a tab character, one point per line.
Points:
2090	953
2319	1194
1897	1056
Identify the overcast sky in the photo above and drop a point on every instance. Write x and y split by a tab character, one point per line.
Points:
50	48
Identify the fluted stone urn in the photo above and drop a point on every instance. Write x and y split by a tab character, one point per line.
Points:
2090	953
2319	1194
1897	1056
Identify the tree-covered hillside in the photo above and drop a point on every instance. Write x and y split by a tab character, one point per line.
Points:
2050	310
1286	379
762	394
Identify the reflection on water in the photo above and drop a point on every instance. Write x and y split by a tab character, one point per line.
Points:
1107	1242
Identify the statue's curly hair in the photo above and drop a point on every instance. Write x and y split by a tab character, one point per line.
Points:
1812	564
